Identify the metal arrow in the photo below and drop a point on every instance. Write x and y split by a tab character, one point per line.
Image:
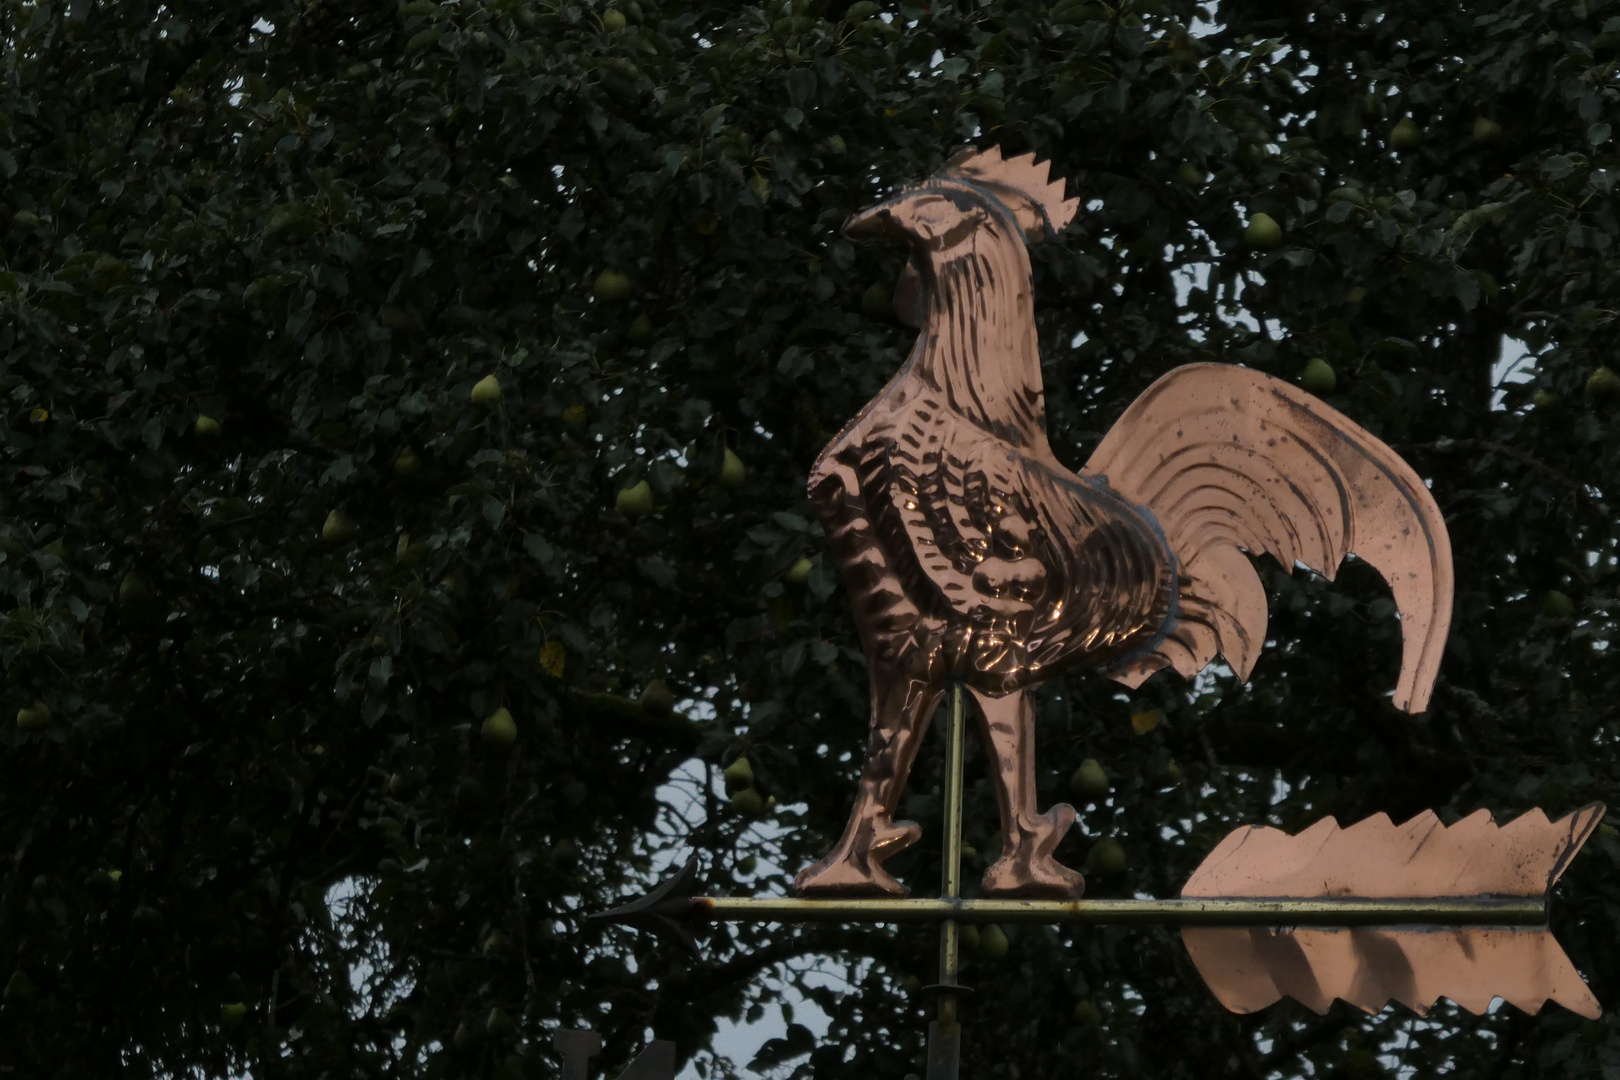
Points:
672	910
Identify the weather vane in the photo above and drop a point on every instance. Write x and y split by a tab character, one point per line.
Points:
979	567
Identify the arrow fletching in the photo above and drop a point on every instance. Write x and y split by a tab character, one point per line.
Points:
1249	969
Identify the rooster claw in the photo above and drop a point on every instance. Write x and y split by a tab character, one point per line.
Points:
1028	868
845	879
854	867
1044	878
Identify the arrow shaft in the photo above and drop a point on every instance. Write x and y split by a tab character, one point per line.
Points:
1438	912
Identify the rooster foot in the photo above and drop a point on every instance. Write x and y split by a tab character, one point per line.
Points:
1027	868
853	867
1045	878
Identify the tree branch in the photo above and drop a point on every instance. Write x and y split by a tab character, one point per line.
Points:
1541	468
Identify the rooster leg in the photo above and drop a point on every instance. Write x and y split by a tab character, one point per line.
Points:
901	709
1026	866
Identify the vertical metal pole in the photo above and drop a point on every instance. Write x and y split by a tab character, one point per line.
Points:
945	1033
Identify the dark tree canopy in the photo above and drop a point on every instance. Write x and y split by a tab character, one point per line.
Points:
268	560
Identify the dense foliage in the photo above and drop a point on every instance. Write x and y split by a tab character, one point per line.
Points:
250	816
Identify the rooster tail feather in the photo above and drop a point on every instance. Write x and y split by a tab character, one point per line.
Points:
1230	460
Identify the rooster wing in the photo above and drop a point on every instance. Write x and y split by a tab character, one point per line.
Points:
1230	460
1039	569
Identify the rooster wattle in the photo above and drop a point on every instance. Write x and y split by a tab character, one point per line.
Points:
972	555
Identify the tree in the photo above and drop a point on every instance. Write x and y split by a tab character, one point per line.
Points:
270	560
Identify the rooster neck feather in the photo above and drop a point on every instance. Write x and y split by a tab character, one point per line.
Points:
978	346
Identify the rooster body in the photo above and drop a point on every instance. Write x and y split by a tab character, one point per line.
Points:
974	556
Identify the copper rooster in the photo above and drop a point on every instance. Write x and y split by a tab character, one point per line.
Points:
973	556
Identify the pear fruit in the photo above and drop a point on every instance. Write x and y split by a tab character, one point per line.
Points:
611	286
20	989
486	391
338	528
992	943
732	470
635	500
499	1024
613	20
1487	131
231	1014
1262	232
1190	174
876	301
969	937
206	427
748	802
1406	135
799	572
1318	376
1106	857
1603	383
1557	605
134	589
640	331
499	731
656	699
34	717
1086	1013
738	775
405	552
1090	781
407	463
1544	399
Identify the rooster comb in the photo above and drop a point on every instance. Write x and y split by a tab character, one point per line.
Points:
1019	176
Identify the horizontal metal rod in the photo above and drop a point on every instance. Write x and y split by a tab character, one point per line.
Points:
1237	911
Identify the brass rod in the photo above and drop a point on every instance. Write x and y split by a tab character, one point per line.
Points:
945	1033
950	957
1224	911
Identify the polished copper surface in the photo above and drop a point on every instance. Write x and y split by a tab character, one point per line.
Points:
1249	969
973	556
1231	461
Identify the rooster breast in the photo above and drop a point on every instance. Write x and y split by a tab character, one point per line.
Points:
971	557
